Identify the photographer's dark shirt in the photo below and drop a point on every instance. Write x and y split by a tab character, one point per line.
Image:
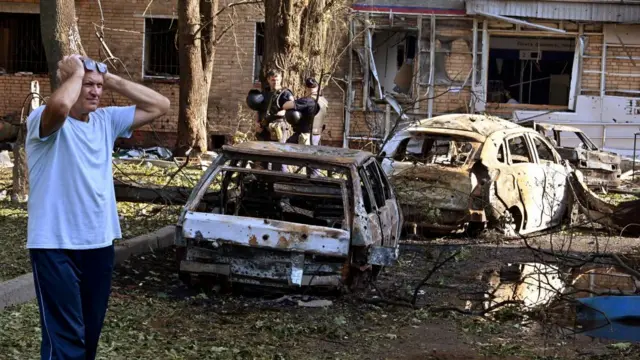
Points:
308	108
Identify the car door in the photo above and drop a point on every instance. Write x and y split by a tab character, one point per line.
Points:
384	209
373	226
556	180
530	180
388	209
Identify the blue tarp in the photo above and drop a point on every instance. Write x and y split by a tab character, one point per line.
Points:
610	317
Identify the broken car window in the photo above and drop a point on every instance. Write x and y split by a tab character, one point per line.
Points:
270	196
501	153
519	151
544	151
385	181
438	149
376	184
366	194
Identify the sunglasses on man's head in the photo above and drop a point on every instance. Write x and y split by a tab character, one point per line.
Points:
93	65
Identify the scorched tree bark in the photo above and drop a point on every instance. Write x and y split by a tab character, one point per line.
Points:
303	38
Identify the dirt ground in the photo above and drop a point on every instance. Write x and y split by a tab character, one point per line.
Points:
153	315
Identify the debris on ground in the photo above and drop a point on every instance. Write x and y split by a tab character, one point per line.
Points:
5	160
621	217
152	153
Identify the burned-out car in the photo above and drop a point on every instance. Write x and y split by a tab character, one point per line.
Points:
600	168
326	221
463	172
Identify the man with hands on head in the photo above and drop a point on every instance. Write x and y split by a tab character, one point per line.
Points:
73	218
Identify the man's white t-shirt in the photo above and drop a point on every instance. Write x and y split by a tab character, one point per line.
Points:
72	202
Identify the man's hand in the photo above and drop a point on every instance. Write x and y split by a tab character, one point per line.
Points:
68	66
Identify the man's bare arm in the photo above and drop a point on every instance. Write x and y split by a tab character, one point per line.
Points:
71	73
150	105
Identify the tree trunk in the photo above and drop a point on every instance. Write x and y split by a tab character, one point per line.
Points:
60	35
197	36
296	40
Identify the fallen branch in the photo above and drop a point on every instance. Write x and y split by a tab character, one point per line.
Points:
431	272
475	313
166	195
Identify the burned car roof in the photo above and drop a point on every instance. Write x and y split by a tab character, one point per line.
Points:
550	127
318	154
481	125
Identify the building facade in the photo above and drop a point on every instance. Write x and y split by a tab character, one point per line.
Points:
568	62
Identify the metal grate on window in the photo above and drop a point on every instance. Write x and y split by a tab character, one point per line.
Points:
161	48
21	48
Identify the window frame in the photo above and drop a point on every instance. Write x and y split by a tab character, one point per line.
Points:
145	44
535	137
372	175
364	179
17	41
257	67
532	156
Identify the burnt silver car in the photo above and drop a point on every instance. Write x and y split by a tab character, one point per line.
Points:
463	172
600	168
327	221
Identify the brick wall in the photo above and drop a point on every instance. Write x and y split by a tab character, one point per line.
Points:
14	89
123	24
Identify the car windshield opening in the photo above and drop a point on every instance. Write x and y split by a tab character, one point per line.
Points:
441	149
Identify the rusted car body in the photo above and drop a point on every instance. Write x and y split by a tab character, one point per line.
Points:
289	229
463	172
600	168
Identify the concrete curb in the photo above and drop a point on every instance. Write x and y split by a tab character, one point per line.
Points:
21	289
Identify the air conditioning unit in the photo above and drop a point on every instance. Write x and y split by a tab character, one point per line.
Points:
530	55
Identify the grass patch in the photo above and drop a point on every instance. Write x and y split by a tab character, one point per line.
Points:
135	218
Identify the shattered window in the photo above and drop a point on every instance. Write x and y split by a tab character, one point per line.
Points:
519	151
544	151
366	195
376	184
436	149
270	196
384	180
501	153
